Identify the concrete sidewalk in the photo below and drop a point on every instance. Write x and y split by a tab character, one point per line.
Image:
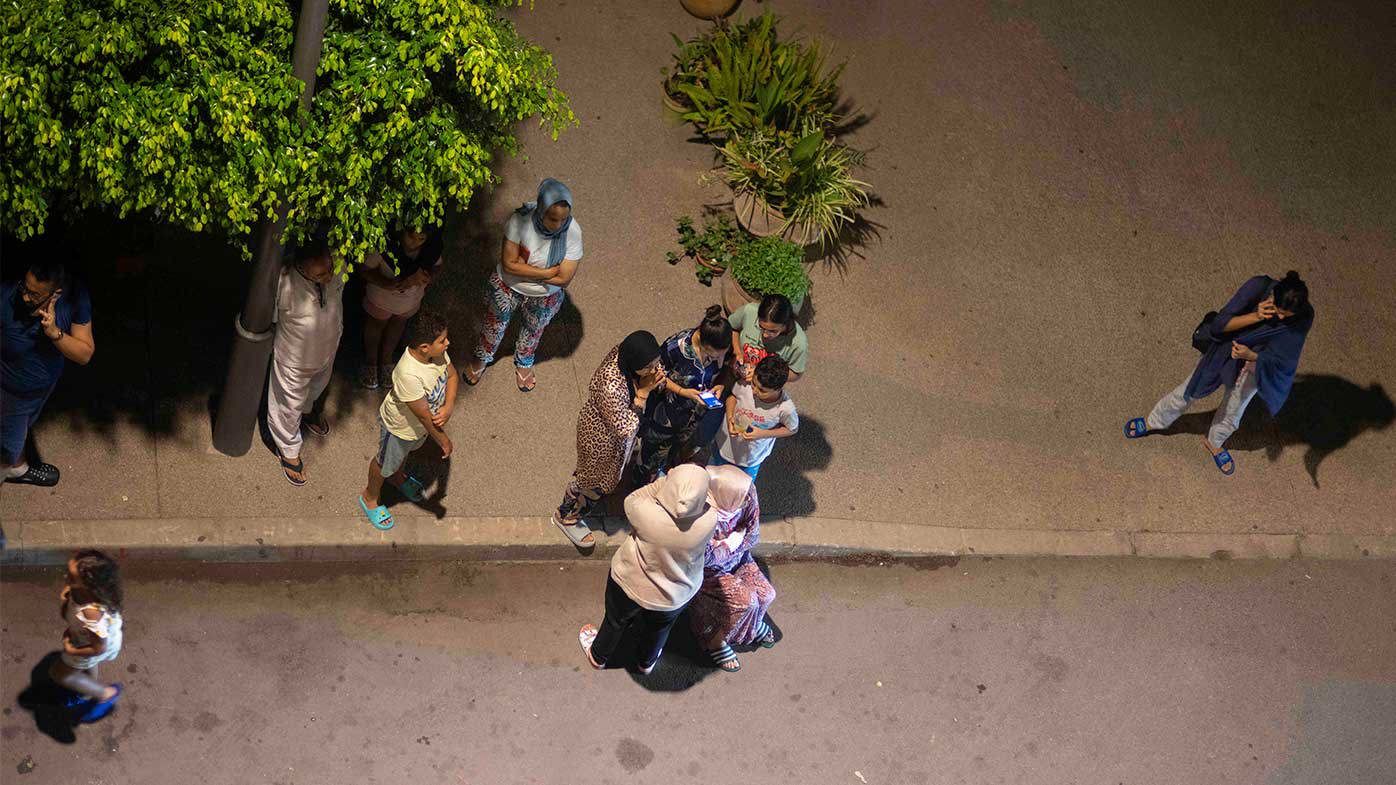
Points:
1066	188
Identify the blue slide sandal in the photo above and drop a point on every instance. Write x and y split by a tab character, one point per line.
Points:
1136	428
1223	461
378	516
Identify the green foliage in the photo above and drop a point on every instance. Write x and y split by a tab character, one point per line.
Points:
771	265
743	77
807	177
711	249
187	110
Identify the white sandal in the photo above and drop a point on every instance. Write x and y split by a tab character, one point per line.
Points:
577	532
587	636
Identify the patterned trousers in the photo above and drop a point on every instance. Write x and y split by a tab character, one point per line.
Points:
500	304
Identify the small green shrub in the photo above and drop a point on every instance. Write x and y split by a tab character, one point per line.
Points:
770	265
712	247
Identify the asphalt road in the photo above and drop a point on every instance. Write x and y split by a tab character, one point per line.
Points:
976	671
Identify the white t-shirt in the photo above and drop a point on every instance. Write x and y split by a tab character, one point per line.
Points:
309	320
413	381
756	414
534	247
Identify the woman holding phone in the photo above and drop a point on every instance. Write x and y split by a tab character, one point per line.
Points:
692	359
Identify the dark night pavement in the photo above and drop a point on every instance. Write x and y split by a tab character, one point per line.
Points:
1068	185
1040	672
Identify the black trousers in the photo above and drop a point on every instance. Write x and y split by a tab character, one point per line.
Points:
624	617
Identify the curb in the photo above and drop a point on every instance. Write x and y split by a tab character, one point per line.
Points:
240	540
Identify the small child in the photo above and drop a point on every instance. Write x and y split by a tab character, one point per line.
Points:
91	606
420	403
758	413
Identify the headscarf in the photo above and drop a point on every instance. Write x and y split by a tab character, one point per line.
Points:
683	492
550	192
637	350
728	487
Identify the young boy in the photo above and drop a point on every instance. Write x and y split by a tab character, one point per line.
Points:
420	403
758	413
309	321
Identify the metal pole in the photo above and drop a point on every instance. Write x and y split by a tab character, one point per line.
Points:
253	329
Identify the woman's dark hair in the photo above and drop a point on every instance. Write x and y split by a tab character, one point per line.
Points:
315	246
100	575
714	331
1291	293
428	325
776	308
773	372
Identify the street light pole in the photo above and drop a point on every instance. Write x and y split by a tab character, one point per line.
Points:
253	328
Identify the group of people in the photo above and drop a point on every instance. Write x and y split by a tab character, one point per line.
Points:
688	422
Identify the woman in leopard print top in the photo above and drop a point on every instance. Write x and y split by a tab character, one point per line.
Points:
606	429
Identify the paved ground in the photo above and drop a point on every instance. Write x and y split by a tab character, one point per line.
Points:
1066	187
1022	671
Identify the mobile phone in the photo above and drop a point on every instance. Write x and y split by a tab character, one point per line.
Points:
710	400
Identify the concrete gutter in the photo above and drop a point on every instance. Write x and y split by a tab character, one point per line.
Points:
351	539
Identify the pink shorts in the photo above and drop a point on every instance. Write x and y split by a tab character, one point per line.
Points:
383	314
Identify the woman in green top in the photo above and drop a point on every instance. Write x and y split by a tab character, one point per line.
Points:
767	327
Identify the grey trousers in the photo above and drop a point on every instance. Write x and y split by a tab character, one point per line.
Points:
1227	418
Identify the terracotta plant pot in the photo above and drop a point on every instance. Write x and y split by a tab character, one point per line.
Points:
709	9
670	102
716	268
756	216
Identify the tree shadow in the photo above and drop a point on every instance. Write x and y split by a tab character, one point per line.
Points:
785	489
1324	413
45	700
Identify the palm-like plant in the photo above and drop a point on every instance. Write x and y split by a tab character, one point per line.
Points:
808	178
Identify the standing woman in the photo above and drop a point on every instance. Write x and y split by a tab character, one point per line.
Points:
542	248
692	359
606	429
767	327
397	281
1255	343
731	605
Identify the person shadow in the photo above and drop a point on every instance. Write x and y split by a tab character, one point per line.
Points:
1324	413
785	488
45	700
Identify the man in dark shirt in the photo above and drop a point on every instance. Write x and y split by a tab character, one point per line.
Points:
46	322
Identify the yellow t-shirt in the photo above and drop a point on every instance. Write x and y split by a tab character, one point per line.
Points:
413	381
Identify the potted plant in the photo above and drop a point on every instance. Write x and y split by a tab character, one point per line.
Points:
742	77
762	266
800	187
709	9
711	249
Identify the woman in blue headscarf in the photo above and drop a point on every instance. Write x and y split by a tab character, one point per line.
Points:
542	247
1251	347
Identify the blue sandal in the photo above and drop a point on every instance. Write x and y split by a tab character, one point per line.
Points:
101	709
378	516
1222	459
412	489
1140	427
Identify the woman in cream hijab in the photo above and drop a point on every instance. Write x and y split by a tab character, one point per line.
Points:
731	604
658	568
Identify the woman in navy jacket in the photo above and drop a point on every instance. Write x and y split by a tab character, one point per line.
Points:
1256	341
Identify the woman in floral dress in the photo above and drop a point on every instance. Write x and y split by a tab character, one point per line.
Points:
731	605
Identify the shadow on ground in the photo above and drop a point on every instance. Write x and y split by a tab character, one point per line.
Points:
786	489
1324	413
45	700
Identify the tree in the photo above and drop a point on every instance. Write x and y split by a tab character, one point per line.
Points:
186	111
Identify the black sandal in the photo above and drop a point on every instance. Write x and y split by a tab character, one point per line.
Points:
42	474
320	427
298	467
